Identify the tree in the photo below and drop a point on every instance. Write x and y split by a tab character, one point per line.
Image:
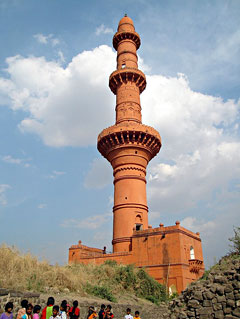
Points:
235	240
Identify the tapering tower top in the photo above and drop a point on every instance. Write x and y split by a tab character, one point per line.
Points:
126	24
127	82
128	145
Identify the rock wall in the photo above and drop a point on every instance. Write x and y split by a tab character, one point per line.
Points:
15	297
216	297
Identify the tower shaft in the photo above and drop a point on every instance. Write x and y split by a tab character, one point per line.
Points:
128	145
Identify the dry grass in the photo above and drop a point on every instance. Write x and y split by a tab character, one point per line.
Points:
24	272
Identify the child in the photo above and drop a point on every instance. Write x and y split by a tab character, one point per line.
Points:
55	313
101	313
91	313
137	315
22	311
74	312
128	315
47	311
28	314
36	311
108	313
63	309
8	311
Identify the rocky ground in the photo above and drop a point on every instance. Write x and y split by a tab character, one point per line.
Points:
217	296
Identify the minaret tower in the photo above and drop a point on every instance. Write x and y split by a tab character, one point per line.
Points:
128	145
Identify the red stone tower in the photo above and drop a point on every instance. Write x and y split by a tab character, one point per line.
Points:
128	145
171	254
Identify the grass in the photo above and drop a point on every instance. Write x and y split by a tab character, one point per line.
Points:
26	273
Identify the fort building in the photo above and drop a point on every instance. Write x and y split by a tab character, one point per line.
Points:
172	254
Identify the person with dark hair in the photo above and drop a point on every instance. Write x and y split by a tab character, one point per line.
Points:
28	314
91	313
108	312
128	315
36	311
48	310
22	310
63	309
137	315
8	311
55	312
101	313
74	312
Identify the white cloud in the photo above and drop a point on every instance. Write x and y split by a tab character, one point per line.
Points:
102	29
92	222
45	39
61	56
99	175
3	188
62	104
11	160
201	147
41	206
55	174
198	225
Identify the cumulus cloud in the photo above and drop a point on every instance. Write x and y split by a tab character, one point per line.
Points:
92	222
99	175
62	105
3	188
45	39
201	145
102	29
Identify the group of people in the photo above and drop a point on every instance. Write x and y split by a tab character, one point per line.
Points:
52	311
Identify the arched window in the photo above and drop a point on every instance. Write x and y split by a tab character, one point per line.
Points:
138	226
192	255
138	222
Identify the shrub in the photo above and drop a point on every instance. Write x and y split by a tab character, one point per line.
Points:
110	262
150	289
235	246
100	291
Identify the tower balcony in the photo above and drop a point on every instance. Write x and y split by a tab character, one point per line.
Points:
126	35
127	75
195	265
129	135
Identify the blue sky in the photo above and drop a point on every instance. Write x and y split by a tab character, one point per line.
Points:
55	60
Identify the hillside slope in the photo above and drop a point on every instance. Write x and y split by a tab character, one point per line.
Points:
107	281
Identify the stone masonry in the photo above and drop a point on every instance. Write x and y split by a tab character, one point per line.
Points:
216	297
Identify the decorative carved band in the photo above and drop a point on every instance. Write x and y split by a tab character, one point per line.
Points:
123	138
120	36
129	168
130	205
125	75
141	178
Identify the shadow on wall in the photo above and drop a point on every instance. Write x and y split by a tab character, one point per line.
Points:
166	261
